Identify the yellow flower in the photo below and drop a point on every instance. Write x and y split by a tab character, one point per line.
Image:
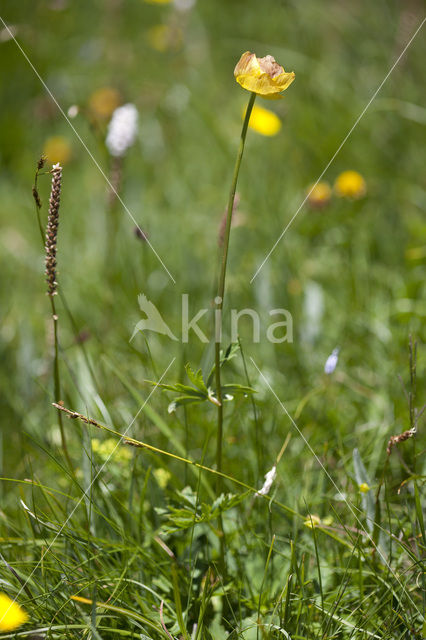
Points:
57	149
364	488
96	445
11	614
312	521
263	76
104	101
158	1
264	121
106	448
350	184
162	476
319	194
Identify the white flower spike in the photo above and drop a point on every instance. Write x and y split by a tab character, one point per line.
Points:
122	130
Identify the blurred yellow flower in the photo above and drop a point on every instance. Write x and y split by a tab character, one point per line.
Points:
11	614
263	76
57	149
312	521
104	101
315	521
264	121
162	476
163	38
106	448
319	194
364	488
350	184
158	1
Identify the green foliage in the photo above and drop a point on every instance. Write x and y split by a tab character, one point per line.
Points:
191	513
201	391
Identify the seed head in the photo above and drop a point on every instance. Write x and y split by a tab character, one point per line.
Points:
52	229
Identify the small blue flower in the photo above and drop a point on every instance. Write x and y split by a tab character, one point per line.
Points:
331	363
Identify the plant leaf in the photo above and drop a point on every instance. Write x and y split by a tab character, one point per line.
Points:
196	377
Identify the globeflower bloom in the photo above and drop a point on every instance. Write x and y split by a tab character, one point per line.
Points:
11	614
263	76
264	121
350	184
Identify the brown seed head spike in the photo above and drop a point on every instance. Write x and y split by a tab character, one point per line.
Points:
36	197
52	229
41	163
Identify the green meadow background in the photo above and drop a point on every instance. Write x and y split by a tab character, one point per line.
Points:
351	273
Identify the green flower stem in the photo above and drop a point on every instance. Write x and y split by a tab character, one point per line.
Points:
57	384
221	291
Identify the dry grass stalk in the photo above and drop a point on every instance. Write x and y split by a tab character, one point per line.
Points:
74	415
393	440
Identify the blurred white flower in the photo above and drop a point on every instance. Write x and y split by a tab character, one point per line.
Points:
122	129
72	111
184	5
331	362
269	479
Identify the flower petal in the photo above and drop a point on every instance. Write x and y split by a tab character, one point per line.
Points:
263	76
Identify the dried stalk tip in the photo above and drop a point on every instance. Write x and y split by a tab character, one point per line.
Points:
393	440
52	229
73	415
41	163
36	197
